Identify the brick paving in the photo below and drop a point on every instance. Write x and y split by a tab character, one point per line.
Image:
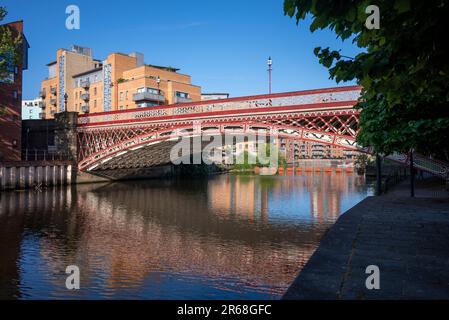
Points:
408	239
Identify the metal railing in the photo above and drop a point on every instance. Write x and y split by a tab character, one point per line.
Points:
343	97
427	164
148	96
393	178
85	84
85	96
43	155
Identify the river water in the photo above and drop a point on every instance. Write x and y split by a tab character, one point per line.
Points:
225	237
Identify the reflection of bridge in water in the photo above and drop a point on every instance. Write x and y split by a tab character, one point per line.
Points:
134	232
249	199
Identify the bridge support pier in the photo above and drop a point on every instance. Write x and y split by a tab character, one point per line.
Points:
65	134
66	138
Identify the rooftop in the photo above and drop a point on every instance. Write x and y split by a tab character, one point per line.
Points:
87	72
171	69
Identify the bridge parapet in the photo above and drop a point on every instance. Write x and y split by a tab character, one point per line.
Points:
114	138
323	98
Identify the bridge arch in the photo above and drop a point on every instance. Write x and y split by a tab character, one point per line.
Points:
165	138
326	116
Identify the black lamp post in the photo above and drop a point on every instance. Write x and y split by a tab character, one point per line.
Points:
270	63
66	96
158	81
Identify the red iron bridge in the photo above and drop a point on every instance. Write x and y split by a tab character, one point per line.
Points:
142	138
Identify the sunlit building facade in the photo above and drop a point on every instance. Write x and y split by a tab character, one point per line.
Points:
78	82
299	149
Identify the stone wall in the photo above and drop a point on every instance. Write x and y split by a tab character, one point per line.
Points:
65	134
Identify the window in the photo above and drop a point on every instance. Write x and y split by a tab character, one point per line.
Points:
95	91
76	95
182	94
121	96
146	104
146	89
126	95
95	103
14	94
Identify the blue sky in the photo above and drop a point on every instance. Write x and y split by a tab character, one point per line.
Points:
223	45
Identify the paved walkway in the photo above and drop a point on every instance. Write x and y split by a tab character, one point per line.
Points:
408	239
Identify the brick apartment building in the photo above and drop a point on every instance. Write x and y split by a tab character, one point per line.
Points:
11	101
122	81
296	150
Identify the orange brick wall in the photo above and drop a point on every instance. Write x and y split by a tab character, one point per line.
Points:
126	77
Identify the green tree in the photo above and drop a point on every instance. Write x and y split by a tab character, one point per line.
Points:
245	161
10	48
403	68
266	150
10	52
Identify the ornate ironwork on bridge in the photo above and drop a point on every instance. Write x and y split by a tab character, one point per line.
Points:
141	137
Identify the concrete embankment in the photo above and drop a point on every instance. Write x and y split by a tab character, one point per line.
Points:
406	238
41	174
23	175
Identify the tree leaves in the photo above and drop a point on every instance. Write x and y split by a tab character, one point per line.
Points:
402	5
10	45
404	69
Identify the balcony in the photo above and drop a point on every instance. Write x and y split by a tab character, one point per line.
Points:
43	104
85	96
53	102
43	94
85	108
85	84
148	96
53	112
182	99
53	90
42	115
